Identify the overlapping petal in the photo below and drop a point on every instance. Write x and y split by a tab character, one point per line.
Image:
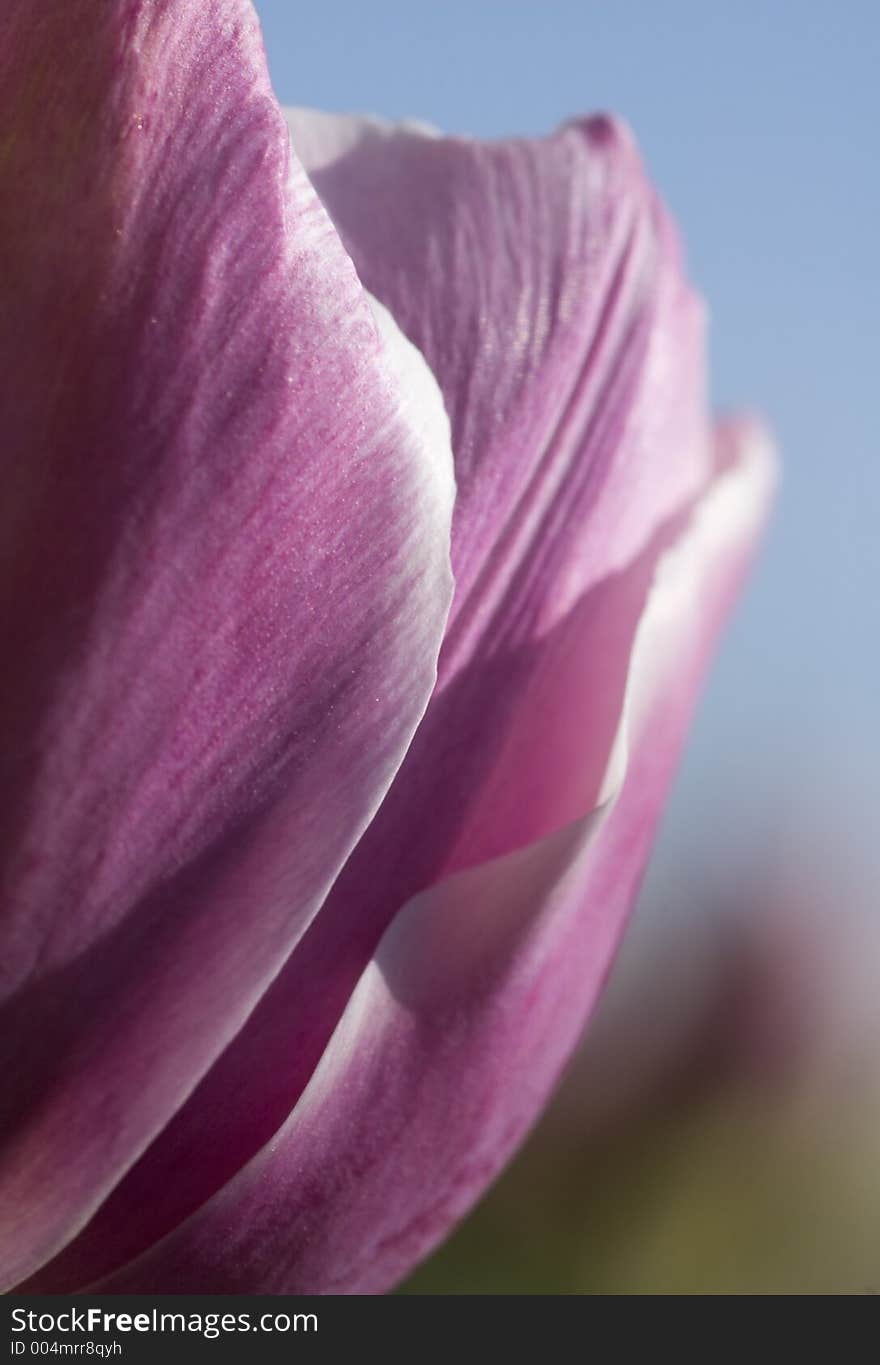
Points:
543	282
224	541
417	1025
464	1016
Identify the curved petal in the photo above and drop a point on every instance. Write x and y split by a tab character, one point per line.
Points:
225	549
478	990
542	281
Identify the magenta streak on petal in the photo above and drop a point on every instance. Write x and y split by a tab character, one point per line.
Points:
477	992
224	543
542	281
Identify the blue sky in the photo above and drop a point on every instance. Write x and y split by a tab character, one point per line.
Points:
759	122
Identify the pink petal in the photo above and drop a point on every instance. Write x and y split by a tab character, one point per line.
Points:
477	992
543	282
224	540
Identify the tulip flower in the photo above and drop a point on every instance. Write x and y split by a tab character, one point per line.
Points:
310	880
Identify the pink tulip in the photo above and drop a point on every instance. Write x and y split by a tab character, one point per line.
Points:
289	961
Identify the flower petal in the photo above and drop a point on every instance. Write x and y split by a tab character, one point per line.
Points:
478	990
542	280
225	542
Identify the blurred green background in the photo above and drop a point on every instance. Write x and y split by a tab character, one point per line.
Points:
719	1130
